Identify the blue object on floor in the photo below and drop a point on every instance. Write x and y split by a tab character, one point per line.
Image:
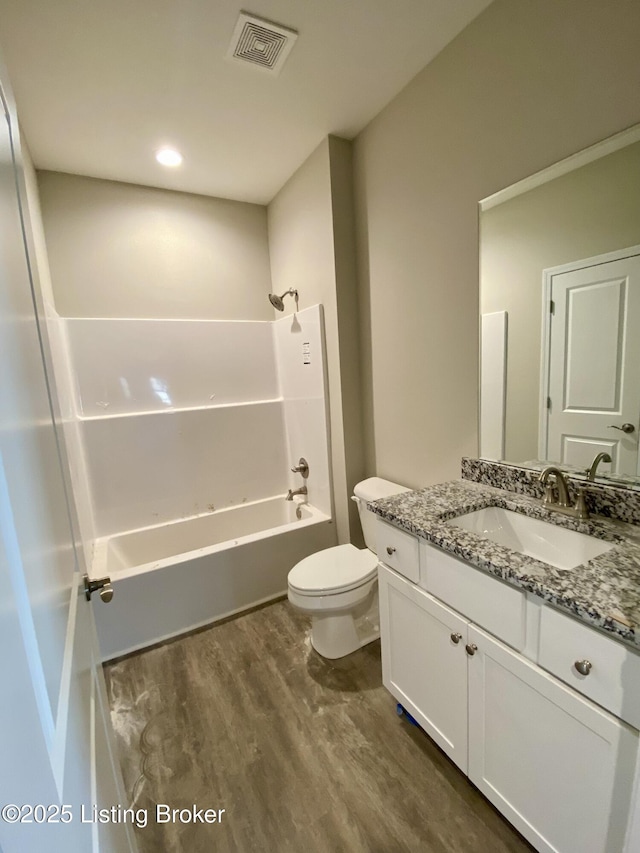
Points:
401	711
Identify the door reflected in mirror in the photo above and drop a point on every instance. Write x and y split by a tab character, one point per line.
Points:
560	314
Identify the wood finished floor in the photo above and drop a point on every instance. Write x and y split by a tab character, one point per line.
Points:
305	755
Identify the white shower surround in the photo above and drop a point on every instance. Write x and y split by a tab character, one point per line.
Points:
184	419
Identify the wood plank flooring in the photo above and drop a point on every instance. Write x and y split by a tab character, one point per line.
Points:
305	755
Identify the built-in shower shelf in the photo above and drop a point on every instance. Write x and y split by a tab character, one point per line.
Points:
176	409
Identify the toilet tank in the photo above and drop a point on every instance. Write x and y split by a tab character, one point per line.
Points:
371	490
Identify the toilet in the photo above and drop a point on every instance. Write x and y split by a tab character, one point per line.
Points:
338	587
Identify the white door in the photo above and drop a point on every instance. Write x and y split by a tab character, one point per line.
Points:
552	762
52	707
594	365
424	664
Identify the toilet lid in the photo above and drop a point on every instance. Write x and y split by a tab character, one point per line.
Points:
333	570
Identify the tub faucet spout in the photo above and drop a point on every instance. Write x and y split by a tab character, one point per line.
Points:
291	494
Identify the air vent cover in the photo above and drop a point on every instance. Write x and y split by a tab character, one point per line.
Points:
261	43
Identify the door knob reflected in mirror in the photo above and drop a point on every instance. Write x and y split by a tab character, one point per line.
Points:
628	428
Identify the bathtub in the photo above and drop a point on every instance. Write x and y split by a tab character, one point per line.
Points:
171	578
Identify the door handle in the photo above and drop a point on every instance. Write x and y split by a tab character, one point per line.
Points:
101	584
628	428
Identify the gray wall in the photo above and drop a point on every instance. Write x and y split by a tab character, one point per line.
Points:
122	250
526	84
312	245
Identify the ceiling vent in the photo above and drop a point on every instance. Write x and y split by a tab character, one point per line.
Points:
261	43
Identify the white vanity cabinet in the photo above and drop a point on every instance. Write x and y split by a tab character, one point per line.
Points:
558	766
424	663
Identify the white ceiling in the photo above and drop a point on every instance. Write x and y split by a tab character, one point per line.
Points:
101	84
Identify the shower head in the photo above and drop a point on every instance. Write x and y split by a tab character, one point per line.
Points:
278	301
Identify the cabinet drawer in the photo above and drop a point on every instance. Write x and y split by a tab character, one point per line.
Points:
614	678
489	602
398	550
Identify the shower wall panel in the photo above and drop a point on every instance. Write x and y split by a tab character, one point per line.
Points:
182	417
149	468
300	356
125	366
65	384
176	416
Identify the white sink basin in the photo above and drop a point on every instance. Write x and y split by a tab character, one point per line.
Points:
557	546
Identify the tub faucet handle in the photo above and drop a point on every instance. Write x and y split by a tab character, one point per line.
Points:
302	467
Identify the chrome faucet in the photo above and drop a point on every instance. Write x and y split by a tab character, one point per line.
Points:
291	494
563	504
561	483
601	457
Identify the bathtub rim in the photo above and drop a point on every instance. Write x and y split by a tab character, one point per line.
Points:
98	566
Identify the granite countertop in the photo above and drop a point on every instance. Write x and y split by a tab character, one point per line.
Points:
605	592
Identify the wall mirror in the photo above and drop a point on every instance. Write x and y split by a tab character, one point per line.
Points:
560	315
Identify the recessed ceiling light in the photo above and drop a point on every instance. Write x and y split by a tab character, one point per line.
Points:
169	157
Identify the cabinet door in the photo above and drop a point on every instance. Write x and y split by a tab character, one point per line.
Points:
559	768
422	666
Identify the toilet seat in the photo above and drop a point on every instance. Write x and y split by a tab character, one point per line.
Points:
333	571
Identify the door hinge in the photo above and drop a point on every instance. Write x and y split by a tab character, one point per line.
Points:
102	585
552	306
548	402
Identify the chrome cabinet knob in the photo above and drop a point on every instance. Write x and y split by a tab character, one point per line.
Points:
471	649
583	666
455	638
628	428
390	550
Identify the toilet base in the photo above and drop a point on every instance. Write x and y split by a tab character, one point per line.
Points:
335	635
